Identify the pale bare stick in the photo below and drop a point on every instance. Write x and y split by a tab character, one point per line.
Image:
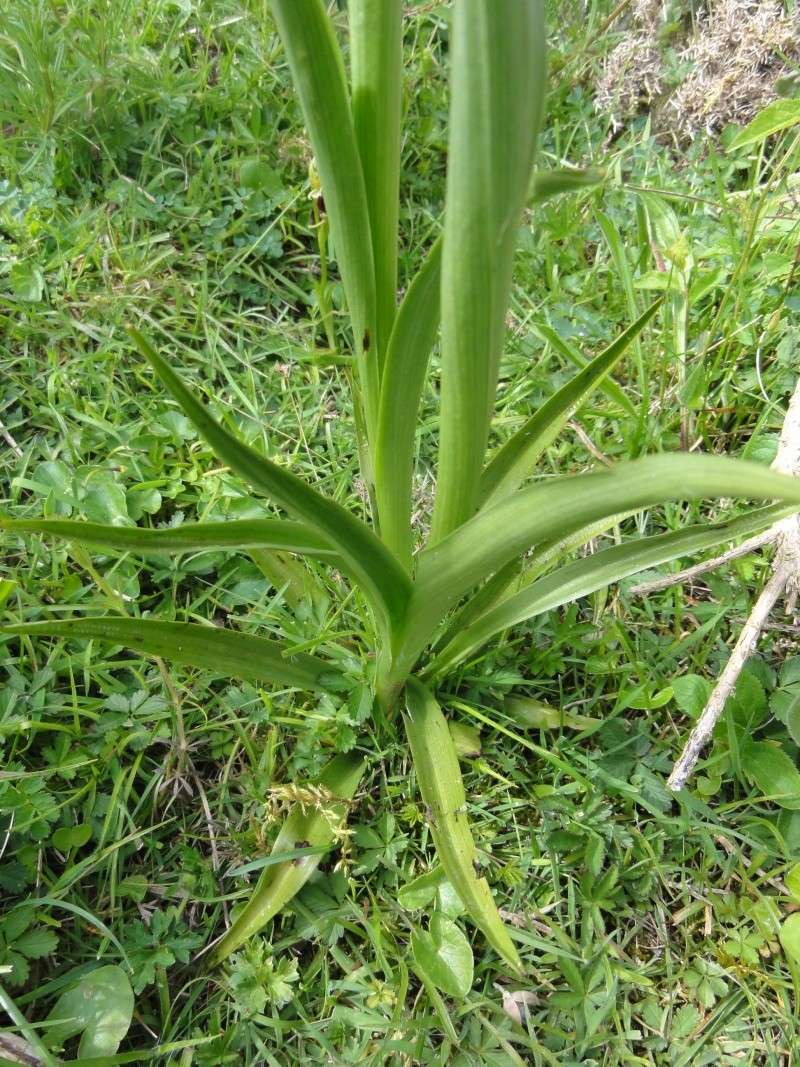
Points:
12	444
744	549
748	638
785	578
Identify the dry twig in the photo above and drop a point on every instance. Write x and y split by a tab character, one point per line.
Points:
784	581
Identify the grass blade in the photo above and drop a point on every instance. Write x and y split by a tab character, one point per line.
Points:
594	572
376	570
401	388
317	827
497	535
516	460
319	77
442	789
279	534
625	275
227	652
496	98
376	55
564	348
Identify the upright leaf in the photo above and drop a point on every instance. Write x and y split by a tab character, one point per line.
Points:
226	652
401	388
442	788
363	555
305	828
497	86
376	52
319	77
517	458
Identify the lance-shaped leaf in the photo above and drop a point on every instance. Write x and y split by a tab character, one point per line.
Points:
281	534
363	556
227	652
376	53
517	458
607	385
497	85
442	789
401	388
550	183
594	572
309	830
471	554
319	77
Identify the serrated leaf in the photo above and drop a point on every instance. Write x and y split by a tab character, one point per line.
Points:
773	772
444	956
691	693
36	943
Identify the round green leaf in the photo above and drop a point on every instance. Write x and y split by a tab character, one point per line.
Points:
444	957
100	1007
421	890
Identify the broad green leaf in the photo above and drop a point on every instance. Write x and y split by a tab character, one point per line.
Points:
497	89
792	720
376	56
100	1007
549	183
419	892
777	116
319	77
691	692
773	772
556	507
466	739
189	537
596	571
792	882
566	349
363	556
404	375
226	652
305	827
442	789
444	956
789	936
517	458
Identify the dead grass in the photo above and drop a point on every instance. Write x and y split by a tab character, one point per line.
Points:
737	50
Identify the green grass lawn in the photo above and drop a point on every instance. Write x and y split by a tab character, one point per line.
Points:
154	170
